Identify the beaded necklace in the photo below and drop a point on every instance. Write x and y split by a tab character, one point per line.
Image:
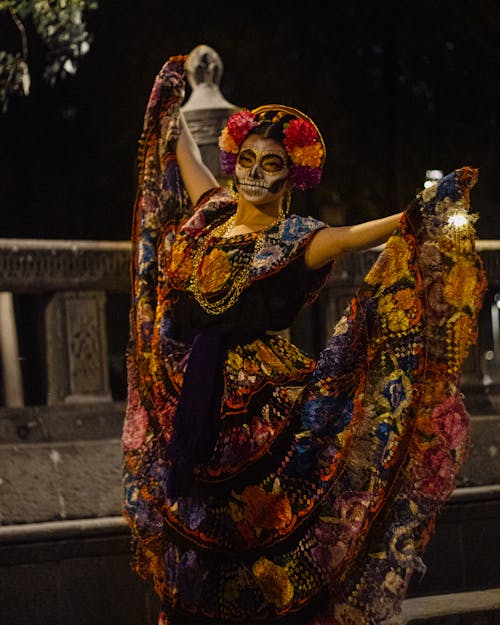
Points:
240	280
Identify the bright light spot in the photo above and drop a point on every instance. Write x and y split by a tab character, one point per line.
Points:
433	174
458	220
69	66
489	355
428	183
55	456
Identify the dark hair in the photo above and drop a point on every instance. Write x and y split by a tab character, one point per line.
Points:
272	130
269	130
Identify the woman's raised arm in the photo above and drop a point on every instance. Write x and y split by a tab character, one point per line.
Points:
329	243
196	175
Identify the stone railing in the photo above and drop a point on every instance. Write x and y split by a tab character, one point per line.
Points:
64	286
63	332
71	282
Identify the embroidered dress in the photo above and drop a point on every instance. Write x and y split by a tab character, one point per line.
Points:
312	489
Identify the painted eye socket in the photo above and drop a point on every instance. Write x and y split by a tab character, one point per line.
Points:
247	158
270	163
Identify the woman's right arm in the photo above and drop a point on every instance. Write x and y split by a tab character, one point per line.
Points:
197	177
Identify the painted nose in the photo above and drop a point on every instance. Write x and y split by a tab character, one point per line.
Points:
256	171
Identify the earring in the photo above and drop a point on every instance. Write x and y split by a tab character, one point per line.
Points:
284	209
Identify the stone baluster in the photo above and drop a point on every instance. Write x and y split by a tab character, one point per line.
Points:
206	110
12	383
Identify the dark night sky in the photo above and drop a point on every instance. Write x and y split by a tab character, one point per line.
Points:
394	95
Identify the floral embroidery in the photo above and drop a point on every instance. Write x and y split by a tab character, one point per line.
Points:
460	336
309	453
395	393
400	309
434	473
392	265
266	510
239	126
450	421
393	582
181	261
274	582
135	428
462	283
215	271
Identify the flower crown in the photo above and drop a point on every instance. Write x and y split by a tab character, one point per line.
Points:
301	140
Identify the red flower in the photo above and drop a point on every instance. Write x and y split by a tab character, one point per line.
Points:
435	474
299	132
451	422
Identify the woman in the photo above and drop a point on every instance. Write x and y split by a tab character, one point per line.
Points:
263	486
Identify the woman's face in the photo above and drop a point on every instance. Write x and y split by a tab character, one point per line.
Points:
261	170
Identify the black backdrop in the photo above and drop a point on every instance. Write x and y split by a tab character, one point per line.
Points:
394	92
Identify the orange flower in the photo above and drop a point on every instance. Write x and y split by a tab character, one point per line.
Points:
180	265
392	264
406	299
227	143
215	271
266	510
308	155
436	385
250	367
461	284
273	581
461	335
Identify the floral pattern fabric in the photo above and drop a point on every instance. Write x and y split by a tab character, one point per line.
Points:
322	490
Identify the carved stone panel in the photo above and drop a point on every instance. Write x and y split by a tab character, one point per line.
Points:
77	352
37	265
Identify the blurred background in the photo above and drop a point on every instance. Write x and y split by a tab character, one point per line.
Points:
394	92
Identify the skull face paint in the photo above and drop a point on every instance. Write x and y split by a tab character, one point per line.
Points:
261	170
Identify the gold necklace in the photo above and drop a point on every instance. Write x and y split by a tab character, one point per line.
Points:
240	281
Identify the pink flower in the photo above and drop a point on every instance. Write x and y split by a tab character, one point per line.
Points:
435	473
329	556
163	619
450	421
136	423
261	432
430	256
327	532
240	124
352	509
